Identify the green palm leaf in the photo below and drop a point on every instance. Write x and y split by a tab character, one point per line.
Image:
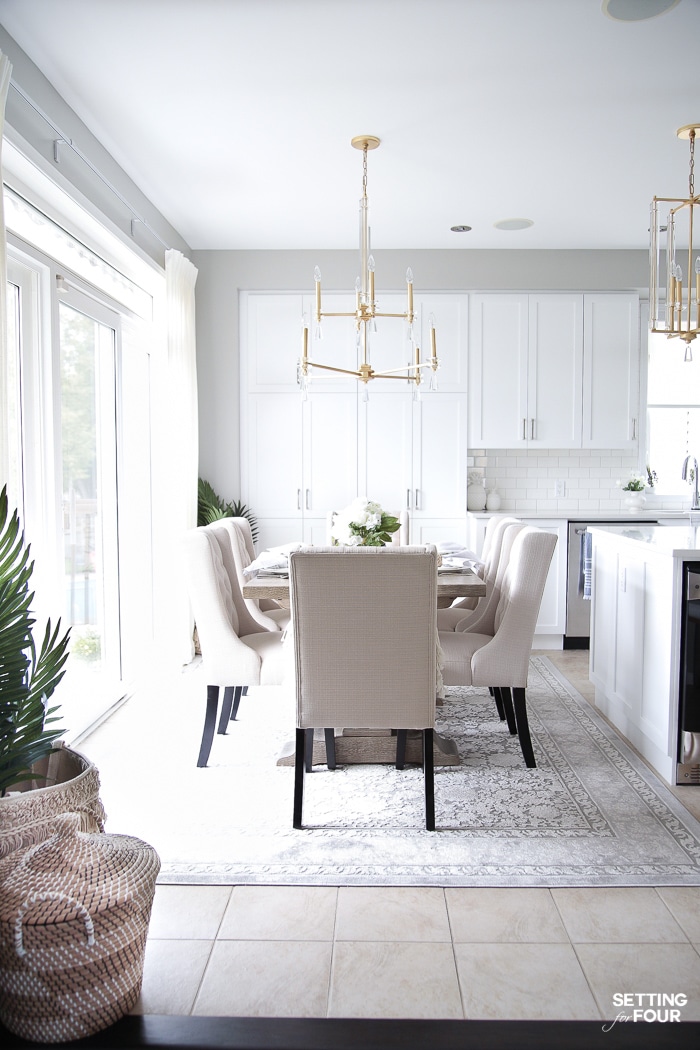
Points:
27	678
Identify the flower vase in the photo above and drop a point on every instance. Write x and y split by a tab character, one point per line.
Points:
635	501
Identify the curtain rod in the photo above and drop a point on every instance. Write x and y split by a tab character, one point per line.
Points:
63	139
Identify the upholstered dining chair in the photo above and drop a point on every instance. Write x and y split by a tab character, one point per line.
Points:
488	570
236	651
369	660
268	614
499	657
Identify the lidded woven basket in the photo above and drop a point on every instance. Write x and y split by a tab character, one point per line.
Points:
74	914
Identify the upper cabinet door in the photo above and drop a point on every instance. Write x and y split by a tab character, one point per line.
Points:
555	371
611	371
273	324
498	335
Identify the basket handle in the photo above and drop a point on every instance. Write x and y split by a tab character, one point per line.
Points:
36	898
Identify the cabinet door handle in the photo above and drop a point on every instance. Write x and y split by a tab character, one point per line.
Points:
634	429
532	429
408	499
524	430
308	499
417	503
298	499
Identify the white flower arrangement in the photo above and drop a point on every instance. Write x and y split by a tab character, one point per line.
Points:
362	523
635	482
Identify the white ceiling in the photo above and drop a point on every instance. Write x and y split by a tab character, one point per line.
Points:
235	116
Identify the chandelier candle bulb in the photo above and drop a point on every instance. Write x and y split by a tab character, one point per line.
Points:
370	267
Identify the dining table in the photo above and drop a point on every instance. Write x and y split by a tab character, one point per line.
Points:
365	745
450	585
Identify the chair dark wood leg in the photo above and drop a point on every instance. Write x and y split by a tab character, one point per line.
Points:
429	774
299	767
401	737
209	725
523	727
241	690
496	694
330	747
225	715
309	750
507	701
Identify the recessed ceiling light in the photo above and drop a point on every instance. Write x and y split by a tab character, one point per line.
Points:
636	10
460	229
513	224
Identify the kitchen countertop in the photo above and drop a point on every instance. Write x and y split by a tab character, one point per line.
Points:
678	541
648	514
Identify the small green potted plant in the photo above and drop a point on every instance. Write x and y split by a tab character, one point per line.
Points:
39	778
633	487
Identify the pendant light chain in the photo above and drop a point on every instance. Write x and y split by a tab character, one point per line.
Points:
691	178
364	172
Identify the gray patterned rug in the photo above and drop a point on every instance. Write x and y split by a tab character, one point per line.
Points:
590	814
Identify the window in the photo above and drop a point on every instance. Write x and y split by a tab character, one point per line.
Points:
78	432
673	413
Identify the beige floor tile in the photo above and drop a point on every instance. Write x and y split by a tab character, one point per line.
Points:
172	974
493	915
190	912
684	904
617	969
523	982
280	913
266	979
403	913
616	915
394	980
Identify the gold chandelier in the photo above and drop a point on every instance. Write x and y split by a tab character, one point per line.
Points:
674	279
366	311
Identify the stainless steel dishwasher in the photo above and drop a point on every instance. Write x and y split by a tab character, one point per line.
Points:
578	579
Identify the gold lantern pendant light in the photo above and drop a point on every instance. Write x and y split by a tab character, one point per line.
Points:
674	279
366	311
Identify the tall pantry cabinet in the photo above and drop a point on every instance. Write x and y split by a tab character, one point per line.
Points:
301	459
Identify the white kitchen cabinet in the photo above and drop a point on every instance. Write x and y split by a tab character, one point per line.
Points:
299	460
635	642
611	371
551	621
553	371
525	371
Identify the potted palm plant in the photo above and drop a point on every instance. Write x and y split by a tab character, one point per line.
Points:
39	778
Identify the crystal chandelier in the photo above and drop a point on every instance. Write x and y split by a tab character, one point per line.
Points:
674	279
366	310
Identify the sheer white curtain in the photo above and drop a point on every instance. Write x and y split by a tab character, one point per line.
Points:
5	73
176	459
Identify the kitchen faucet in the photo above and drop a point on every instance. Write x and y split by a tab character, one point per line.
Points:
684	474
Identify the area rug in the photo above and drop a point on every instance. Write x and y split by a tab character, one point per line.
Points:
590	814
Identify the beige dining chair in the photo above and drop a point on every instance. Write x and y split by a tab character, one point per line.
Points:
369	660
268	614
236	651
488	570
498	657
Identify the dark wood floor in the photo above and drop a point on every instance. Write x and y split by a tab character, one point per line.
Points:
241	1033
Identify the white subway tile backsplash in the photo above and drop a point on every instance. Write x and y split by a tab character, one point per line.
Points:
525	479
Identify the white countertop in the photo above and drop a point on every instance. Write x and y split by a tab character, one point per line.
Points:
678	541
648	514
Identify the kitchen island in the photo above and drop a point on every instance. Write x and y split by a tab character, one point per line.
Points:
636	634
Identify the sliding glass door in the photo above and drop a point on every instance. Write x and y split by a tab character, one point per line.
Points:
88	354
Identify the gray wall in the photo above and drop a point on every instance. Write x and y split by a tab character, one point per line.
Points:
222	275
27	128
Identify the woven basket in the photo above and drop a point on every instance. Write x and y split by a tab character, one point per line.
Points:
74	914
65	782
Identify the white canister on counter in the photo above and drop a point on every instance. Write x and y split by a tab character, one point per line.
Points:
476	493
493	500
